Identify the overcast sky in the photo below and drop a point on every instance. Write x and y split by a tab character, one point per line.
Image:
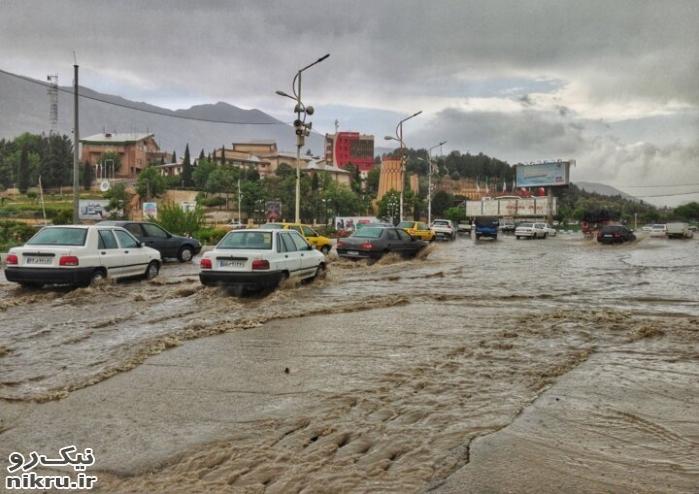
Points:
612	84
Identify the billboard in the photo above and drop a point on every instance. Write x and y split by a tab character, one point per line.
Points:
350	222
93	209
543	174
273	210
150	209
512	207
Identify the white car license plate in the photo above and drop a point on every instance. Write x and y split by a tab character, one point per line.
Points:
352	253
38	260
607	236
228	263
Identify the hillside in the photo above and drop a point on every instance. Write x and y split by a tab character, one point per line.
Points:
604	190
24	106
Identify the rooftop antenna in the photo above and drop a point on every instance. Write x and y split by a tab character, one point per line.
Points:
52	91
337	125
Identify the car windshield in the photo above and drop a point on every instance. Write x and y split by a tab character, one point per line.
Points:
405	224
658	227
440	222
526	225
59	236
368	232
246	240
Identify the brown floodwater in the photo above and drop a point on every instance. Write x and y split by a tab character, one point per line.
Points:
457	343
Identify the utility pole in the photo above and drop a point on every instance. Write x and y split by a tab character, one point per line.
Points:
76	149
240	218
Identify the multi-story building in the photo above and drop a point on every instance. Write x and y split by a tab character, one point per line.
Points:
260	155
133	152
345	148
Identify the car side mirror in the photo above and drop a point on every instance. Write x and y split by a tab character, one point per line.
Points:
313	247
139	244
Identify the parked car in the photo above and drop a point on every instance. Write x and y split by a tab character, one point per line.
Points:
463	228
487	226
236	225
531	230
646	228
551	231
507	226
374	242
611	234
658	230
443	229
156	237
259	259
323	244
418	230
679	230
80	255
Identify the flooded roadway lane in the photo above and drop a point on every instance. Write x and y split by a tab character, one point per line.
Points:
394	368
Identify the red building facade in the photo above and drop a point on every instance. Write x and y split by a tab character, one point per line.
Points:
345	148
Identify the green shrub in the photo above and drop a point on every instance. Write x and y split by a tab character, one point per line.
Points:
174	219
214	201
210	236
13	233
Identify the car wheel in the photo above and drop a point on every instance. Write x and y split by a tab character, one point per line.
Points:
517	237
478	237
325	250
98	276
152	270
545	235
185	254
320	271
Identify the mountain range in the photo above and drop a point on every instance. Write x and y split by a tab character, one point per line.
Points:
604	190
24	107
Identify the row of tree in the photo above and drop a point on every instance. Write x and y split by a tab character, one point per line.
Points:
30	156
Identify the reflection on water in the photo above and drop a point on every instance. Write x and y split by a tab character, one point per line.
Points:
56	340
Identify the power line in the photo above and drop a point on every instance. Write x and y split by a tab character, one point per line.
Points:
670	195
658	186
154	112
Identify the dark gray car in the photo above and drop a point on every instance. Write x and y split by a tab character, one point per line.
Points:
156	237
372	242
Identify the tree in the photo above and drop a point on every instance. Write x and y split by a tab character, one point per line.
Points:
440	202
389	205
689	211
88	175
23	171
342	199
201	173
178	221
119	199
150	183
201	155
186	169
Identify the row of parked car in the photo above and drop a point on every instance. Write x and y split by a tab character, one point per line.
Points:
245	259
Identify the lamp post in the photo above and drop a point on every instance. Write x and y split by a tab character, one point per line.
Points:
302	129
429	181
399	138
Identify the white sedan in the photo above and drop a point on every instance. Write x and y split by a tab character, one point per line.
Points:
80	255
260	259
531	230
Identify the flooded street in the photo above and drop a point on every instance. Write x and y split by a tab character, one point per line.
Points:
403	376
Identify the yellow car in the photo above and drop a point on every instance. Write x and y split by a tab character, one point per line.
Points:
323	244
418	230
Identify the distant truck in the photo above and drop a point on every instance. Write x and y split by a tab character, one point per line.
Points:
487	226
678	230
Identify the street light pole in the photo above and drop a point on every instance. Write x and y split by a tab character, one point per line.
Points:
399	138
429	181
302	129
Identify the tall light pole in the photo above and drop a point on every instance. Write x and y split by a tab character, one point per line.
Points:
429	181
76	149
303	129
399	138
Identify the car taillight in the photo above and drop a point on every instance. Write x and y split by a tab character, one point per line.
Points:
616	235
260	264
367	246
11	259
205	263
68	261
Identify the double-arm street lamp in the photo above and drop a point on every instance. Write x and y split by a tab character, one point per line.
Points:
303	129
429	181
399	138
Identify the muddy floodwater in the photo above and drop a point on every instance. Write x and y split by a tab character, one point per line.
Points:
553	365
